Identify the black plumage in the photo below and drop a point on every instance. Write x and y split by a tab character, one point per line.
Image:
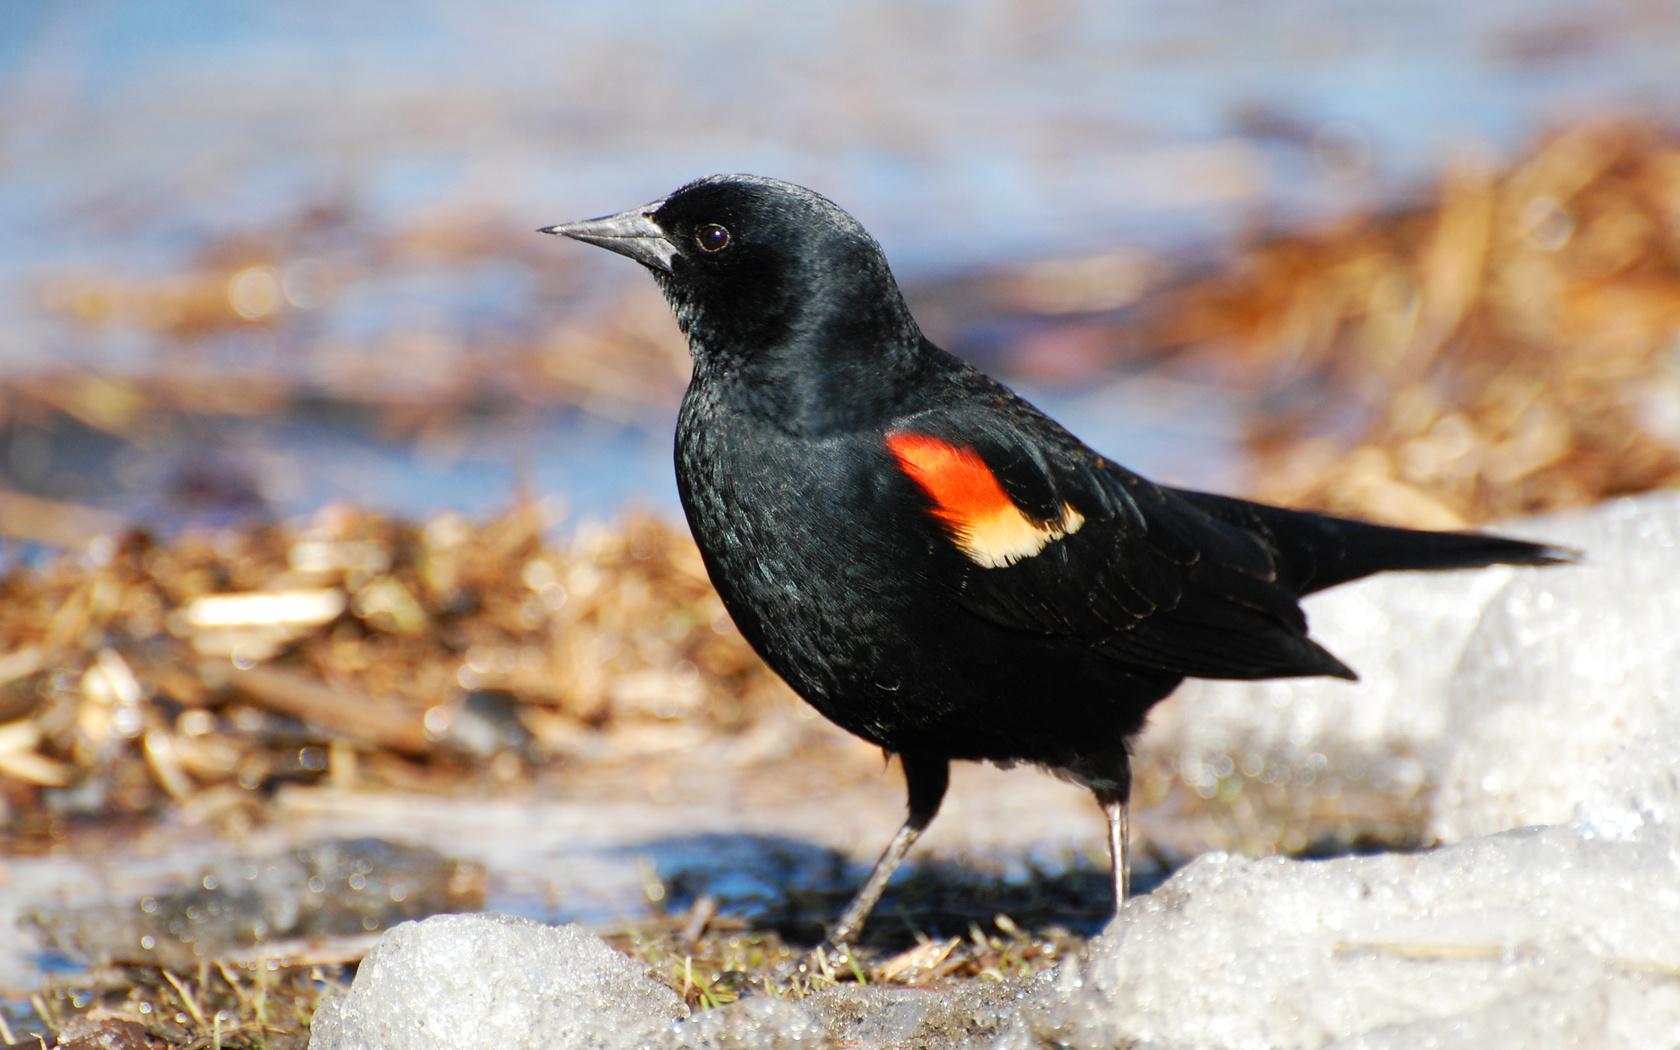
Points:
929	560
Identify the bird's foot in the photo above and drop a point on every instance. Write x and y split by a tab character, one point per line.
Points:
829	963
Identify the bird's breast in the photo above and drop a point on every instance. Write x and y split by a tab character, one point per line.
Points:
795	540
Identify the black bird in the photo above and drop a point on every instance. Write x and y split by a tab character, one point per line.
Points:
930	561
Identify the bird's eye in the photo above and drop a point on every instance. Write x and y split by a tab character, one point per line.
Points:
712	237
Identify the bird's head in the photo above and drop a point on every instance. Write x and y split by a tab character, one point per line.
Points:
765	277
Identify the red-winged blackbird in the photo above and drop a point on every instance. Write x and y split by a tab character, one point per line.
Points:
929	560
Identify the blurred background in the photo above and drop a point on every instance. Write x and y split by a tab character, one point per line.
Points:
322	473
259	258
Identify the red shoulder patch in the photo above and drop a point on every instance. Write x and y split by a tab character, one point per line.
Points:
963	489
983	521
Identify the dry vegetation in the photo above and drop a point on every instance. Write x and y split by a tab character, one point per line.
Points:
355	649
1512	347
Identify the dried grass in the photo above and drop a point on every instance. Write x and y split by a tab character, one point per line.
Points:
355	648
1512	347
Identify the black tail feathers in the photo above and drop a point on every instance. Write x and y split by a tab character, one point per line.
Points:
1355	549
1320	551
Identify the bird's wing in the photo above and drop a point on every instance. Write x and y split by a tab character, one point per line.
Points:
1051	539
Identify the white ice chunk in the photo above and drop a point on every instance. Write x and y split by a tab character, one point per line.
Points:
1636	791
1402	633
1565	667
1468	679
1429	949
1553	1014
491	982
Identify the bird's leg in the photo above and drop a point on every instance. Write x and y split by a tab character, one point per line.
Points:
1115	798
1119	863
927	779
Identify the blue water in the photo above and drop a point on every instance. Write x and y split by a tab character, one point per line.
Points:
962	133
139	136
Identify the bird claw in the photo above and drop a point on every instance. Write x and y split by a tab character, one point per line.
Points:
833	958
829	962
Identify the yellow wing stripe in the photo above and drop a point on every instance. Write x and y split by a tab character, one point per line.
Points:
984	523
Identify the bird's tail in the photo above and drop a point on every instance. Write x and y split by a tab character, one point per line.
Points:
1361	549
1321	551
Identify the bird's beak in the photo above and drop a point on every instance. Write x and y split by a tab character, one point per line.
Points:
632	233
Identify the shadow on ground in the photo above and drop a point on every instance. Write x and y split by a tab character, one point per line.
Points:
795	888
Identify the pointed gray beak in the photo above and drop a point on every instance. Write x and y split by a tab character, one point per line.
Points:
632	233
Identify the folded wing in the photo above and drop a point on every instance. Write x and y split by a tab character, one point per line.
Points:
1054	540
